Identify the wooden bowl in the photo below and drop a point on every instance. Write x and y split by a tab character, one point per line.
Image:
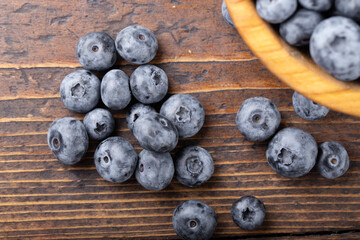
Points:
289	64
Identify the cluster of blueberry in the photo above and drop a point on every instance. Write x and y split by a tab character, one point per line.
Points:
328	27
291	152
181	116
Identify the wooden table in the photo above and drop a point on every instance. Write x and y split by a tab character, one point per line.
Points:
43	199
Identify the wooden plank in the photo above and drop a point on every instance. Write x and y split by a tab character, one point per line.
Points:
43	199
312	236
41	83
315	236
45	33
215	103
39	195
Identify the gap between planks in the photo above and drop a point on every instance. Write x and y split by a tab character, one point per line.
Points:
111	201
116	234
162	61
157	208
166	224
203	90
123	216
177	190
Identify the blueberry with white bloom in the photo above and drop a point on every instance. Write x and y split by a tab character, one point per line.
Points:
136	44
258	119
115	91
96	51
68	140
115	159
99	123
335	46
80	91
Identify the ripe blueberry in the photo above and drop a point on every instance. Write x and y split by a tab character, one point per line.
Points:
193	166
333	160
135	112
276	11
136	44
307	109
258	119
149	84
348	8
115	92
99	123
316	5
194	220
115	159
155	132
68	140
96	51
335	46
154	170
186	112
248	213
297	30
292	152
80	91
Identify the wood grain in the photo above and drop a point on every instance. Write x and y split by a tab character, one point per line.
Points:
43	199
45	33
290	65
38	83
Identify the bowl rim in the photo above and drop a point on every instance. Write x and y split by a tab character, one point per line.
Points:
289	64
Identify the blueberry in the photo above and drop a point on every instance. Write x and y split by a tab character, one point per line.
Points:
80	91
115	91
307	109
348	8
154	170
248	213
297	30
96	51
333	160
317	5
193	166
335	46
136	44
68	140
275	11
99	123
292	152
135	112
226	14
194	220
258	119
186	112
155	132
115	159
149	84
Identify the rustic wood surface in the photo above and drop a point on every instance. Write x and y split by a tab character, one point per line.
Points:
43	199
291	65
